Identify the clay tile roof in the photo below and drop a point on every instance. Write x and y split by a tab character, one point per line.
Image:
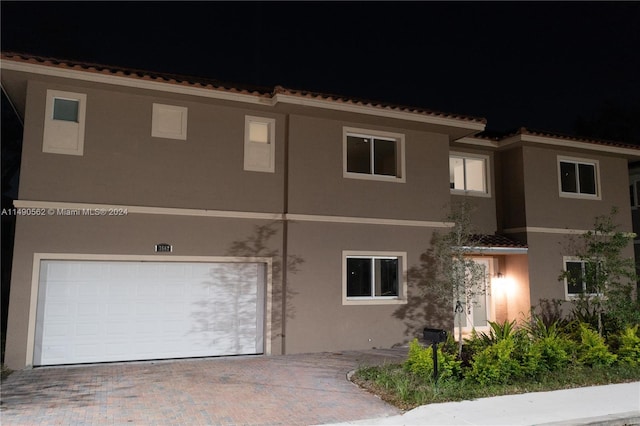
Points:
486	240
541	133
375	104
200	82
207	83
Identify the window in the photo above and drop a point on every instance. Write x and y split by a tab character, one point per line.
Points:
373	155
259	144
64	123
468	173
373	277
578	178
581	277
65	109
169	121
634	191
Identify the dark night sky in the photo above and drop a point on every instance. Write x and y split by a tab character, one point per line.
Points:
540	65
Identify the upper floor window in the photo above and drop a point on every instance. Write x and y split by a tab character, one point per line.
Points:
169	121
579	178
259	144
373	277
634	191
468	173
64	122
373	155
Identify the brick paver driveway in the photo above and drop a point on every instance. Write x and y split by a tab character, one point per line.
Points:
278	390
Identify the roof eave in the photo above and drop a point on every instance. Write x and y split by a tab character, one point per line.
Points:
464	126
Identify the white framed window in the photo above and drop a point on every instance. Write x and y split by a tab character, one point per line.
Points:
578	178
169	122
373	278
259	144
468	174
580	277
373	155
634	191
64	122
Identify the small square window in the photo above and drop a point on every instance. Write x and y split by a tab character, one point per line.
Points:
373	155
468	174
64	122
169	122
259	144
65	109
258	132
578	178
374	278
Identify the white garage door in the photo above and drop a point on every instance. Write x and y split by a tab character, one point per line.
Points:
96	311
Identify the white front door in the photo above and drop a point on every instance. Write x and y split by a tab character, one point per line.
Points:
97	311
478	311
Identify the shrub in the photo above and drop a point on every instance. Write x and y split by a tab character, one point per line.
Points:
496	364
592	350
555	352
420	362
629	346
478	342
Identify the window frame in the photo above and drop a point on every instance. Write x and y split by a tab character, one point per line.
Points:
399	138
634	191
157	132
56	132
576	161
486	174
573	296
401	298
248	143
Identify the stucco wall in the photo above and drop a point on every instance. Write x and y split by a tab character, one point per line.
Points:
321	322
123	164
134	234
317	185
546	208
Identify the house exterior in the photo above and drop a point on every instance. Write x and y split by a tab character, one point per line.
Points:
166	217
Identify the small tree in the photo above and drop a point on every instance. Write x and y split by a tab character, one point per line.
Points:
458	280
609	275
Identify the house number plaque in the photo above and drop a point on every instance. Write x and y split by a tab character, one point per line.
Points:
163	248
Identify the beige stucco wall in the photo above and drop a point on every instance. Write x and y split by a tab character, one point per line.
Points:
123	164
133	234
546	208
516	294
317	186
512	206
319	320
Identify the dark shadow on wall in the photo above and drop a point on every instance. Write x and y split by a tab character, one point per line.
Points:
423	307
231	292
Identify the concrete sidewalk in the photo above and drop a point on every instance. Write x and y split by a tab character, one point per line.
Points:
597	405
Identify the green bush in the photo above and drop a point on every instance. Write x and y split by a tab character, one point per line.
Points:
555	352
478	342
496	364
420	362
629	346
592	350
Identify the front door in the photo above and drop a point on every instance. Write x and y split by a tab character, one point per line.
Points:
477	310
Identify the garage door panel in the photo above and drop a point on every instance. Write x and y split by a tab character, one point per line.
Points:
117	311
